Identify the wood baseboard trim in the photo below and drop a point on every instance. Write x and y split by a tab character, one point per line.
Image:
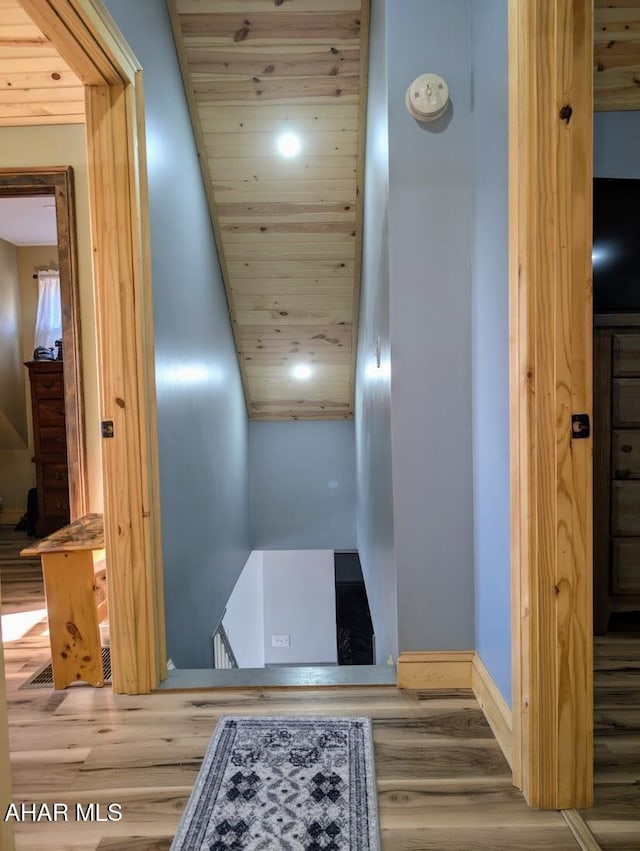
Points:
438	669
493	705
460	669
10	516
581	831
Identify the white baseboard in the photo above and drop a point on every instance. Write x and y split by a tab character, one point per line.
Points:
427	671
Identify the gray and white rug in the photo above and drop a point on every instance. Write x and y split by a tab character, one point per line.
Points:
284	784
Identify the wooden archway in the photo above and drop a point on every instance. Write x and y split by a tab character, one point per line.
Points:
89	41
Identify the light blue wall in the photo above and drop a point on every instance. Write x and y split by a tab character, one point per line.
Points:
430	204
490	353
202	417
373	389
616	143
302	485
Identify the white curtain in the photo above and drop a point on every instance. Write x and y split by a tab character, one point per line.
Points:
49	314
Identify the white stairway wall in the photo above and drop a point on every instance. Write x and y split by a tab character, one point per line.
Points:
289	593
300	601
244	618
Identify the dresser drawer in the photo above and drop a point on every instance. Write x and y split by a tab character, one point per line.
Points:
47	386
53	441
56	503
55	476
625	578
626	402
625	508
51	412
625	454
626	354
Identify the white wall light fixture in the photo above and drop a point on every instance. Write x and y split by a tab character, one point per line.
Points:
427	97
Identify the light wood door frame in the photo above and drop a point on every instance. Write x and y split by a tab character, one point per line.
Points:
6	829
550	154
58	182
86	37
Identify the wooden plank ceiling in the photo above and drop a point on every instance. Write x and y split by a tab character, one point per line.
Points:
288	229
36	85
617	54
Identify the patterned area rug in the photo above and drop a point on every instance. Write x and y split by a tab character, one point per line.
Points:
284	784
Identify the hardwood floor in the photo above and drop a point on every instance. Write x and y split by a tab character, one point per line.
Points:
615	817
443	782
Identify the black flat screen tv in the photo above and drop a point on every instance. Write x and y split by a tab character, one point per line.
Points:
616	245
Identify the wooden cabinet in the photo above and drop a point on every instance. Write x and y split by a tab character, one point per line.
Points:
50	445
616	484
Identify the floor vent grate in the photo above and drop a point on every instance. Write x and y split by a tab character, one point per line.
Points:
43	678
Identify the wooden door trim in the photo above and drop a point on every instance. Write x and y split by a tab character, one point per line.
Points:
58	181
550	151
602	357
6	829
86	36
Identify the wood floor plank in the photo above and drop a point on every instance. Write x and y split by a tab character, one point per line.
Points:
475	839
443	782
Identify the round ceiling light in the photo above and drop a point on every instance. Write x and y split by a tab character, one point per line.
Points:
302	372
289	145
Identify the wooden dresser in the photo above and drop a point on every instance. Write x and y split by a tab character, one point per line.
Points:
50	445
616	484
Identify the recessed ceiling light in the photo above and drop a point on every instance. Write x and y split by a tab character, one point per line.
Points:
289	145
302	372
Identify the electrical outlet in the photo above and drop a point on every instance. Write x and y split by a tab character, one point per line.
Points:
279	640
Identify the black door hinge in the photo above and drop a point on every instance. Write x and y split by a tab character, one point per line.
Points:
580	426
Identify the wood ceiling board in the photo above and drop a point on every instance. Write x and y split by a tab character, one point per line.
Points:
341	232
299	212
27	81
38	96
292	410
278	112
287	230
290	316
254	230
252	6
30	61
256	145
290	268
261	63
344	189
297	301
331	244
273	26
36	84
284	363
617	90
617	55
322	374
292	286
22	114
301	394
265	89
307	168
276	126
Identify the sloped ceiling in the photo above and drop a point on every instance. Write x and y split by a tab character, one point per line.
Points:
288	228
617	54
36	85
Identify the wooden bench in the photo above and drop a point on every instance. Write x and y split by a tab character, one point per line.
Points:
76	592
